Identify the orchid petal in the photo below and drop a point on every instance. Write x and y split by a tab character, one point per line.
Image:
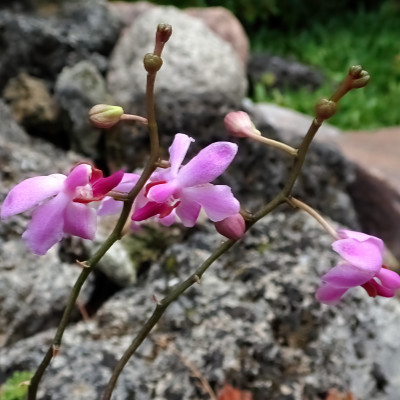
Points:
209	163
79	176
80	220
328	294
389	279
46	227
109	206
128	181
360	237
30	193
169	219
149	210
346	276
103	185
162	192
178	150
217	200
366	255
188	211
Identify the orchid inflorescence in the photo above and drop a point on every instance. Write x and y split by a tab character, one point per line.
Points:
172	191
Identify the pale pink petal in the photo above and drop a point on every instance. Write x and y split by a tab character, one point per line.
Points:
217	200
178	150
361	237
366	254
109	206
30	193
188	212
169	219
80	220
162	192
79	176
329	295
210	163
389	279
46	227
128	181
346	276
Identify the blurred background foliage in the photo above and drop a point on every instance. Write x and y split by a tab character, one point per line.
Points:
330	36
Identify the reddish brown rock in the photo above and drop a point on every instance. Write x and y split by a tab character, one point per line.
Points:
376	190
222	22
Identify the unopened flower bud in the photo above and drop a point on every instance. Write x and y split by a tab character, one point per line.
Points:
325	109
232	227
152	63
355	71
164	32
239	124
360	77
105	116
362	81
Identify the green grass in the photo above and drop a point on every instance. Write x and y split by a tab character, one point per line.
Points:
14	387
371	40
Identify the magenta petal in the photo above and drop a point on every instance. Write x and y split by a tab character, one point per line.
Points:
149	210
389	279
346	276
30	193
366	254
46	227
103	185
188	212
80	220
217	200
210	163
329	295
79	176
178	150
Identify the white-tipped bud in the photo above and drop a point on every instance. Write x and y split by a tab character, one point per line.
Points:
232	227
105	116
239	124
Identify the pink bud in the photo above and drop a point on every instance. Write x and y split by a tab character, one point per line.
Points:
232	227
238	123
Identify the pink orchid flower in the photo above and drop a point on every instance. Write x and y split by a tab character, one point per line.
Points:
362	266
181	191
60	205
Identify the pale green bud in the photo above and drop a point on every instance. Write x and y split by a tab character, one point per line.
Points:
105	116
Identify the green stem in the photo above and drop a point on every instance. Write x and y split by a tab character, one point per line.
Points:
151	165
159	311
195	277
294	174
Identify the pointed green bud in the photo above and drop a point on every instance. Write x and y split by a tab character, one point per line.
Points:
152	63
324	109
105	116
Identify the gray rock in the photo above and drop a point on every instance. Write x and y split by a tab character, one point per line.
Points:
277	72
32	105
259	172
33	289
77	89
201	78
253	322
42	46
